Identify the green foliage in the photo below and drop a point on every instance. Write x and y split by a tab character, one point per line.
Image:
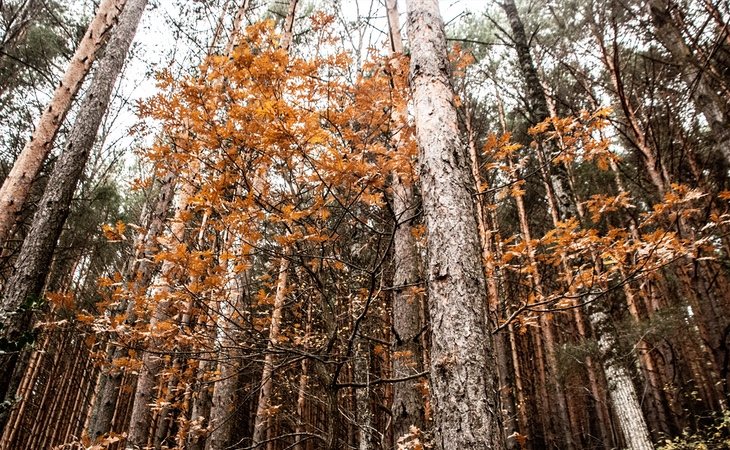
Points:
571	357
715	436
36	39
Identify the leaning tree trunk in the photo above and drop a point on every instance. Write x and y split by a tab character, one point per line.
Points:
556	175
408	403
463	369
16	186
24	288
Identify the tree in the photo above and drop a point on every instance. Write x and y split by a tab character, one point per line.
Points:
463	372
408	400
16	186
23	292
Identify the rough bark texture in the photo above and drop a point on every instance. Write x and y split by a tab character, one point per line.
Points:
620	387
463	373
16	186
538	107
25	287
408	402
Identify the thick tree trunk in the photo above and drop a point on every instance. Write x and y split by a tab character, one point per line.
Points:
25	286
16	186
463	372
620	387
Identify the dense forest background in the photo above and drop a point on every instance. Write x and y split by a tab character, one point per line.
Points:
371	224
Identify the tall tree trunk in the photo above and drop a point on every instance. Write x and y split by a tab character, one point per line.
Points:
152	363
556	176
267	384
139	273
202	397
620	387
16	186
547	328
24	288
224	390
501	340
463	372
408	402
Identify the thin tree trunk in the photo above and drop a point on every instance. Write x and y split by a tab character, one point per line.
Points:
302	419
654	166
16	186
548	330
202	397
152	364
408	404
555	174
139	271
501	340
286	37
463	370
267	385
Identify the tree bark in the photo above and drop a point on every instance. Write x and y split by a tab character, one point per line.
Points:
267	384
139	273
24	288
463	372
16	186
620	387
152	364
538	110
408	402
